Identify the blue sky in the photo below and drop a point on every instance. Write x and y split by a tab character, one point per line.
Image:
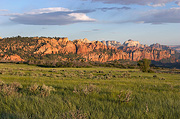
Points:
146	21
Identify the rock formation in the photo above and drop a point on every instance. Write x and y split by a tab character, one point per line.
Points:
85	40
175	47
158	46
131	43
14	57
112	43
93	51
151	54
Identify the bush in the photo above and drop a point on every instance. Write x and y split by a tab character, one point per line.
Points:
125	96
154	76
33	88
46	90
10	89
43	90
85	89
150	71
78	114
144	65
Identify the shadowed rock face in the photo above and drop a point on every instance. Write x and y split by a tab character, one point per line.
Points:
175	47
90	50
158	46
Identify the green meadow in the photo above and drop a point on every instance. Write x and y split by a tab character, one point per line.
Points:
28	91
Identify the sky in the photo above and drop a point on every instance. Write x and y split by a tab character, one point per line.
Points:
146	21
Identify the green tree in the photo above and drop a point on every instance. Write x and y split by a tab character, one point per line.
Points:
144	65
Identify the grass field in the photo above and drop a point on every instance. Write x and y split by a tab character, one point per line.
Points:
96	93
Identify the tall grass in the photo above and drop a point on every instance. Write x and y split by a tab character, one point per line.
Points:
86	93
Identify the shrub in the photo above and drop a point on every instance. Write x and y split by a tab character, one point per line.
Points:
125	96
150	71
126	75
46	90
43	90
85	89
10	89
77	114
144	65
154	76
33	88
101	72
1	83
162	79
90	76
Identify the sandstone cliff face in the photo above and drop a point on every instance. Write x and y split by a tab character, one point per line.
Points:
85	40
1	52
155	55
104	57
175	47
94	51
159	47
15	58
46	49
53	46
84	48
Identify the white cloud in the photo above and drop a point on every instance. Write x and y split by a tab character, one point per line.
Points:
51	16
161	16
49	10
156	5
80	17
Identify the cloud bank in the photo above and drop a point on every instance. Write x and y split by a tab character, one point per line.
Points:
51	16
163	16
3	10
104	9
158	16
154	3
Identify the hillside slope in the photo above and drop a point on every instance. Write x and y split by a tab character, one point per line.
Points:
26	48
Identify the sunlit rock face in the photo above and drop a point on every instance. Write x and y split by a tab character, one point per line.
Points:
85	40
101	51
112	43
131	43
14	57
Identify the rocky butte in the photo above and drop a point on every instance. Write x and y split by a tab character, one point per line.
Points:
24	48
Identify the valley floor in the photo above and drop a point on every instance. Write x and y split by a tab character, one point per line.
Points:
98	93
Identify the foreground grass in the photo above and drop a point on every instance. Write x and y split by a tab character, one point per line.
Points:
98	93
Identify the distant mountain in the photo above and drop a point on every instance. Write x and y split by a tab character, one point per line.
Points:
175	47
85	40
131	43
41	48
158	46
112	43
